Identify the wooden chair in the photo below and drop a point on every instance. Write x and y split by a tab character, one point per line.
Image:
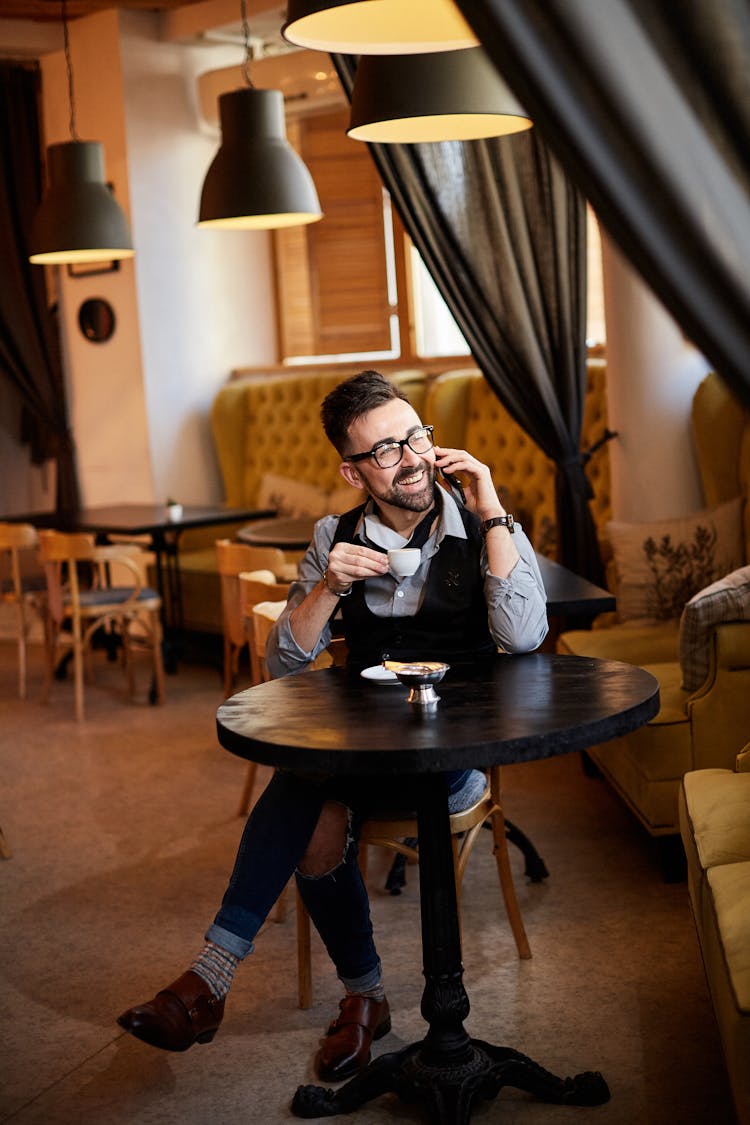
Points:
16	537
271	597
233	559
80	595
396	833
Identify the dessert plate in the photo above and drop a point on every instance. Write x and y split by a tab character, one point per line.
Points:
379	675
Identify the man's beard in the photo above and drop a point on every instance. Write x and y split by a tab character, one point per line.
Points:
412	501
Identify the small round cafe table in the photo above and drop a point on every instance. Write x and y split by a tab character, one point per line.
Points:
497	711
291	533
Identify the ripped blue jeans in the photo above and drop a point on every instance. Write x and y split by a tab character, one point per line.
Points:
273	843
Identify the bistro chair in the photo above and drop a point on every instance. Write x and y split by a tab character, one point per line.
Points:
399	834
255	589
233	559
81	601
18	591
260	616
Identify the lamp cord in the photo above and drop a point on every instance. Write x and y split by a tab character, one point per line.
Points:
69	66
246	45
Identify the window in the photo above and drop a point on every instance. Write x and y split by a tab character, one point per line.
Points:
352	287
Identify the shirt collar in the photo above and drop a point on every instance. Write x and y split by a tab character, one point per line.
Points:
450	519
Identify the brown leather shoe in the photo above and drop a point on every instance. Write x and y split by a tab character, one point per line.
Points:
346	1047
183	1013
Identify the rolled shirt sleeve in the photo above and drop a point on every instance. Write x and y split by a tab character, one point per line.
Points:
517	605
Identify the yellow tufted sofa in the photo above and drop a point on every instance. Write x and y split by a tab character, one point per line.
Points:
269	422
715	826
693	730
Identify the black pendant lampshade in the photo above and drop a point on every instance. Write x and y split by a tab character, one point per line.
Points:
79	219
256	181
374	27
443	96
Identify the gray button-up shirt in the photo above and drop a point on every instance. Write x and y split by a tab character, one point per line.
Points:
516	605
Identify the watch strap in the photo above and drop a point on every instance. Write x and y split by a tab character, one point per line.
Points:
499	521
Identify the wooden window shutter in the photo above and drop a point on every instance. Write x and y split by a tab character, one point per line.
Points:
332	283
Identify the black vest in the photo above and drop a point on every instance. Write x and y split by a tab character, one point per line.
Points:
451	623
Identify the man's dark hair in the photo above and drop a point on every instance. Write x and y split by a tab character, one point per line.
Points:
350	400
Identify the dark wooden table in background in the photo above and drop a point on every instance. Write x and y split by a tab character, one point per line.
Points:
567	593
152	520
496	711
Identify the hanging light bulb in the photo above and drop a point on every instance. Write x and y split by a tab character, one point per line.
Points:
256	181
78	220
377	27
444	96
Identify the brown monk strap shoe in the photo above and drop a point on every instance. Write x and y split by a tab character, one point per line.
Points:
183	1013
346	1047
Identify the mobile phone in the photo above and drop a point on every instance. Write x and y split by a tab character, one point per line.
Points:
455	486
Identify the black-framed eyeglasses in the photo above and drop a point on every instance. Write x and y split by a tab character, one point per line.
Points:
386	454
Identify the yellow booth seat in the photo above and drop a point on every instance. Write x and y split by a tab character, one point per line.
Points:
714	809
273	453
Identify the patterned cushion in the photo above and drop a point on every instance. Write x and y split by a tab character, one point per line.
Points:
292	497
725	600
295	498
660	565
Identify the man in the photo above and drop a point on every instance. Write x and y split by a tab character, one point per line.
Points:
477	589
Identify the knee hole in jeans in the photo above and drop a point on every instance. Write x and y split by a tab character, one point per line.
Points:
330	842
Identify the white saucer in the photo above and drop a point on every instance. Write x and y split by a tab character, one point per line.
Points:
379	675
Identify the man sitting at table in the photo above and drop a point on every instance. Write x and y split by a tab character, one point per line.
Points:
477	589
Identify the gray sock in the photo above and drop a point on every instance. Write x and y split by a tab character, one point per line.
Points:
217	967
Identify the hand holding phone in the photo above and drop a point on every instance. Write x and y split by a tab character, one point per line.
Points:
455	486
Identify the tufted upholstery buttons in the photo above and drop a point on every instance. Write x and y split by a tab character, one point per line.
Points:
271	423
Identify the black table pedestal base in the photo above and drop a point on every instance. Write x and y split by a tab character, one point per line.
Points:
447	1072
449	1089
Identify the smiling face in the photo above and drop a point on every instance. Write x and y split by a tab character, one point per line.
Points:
406	486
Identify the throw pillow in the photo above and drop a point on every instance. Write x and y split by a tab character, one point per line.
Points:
725	600
292	497
660	565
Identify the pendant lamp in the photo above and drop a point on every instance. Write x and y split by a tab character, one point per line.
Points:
377	27
443	96
256	181
78	220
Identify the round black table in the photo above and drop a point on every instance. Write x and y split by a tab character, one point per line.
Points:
508	709
292	533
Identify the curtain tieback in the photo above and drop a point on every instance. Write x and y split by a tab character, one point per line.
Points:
606	436
575	465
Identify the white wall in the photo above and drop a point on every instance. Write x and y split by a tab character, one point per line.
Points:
205	298
104	381
190	306
652	374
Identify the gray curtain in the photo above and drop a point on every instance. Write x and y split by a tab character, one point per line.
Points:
503	233
646	103
29	349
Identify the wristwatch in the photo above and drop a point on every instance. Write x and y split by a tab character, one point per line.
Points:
499	521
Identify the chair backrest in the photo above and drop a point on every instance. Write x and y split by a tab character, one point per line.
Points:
721	436
233	559
262	618
14	537
61	553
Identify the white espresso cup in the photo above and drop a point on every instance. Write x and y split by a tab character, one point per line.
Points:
404	560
